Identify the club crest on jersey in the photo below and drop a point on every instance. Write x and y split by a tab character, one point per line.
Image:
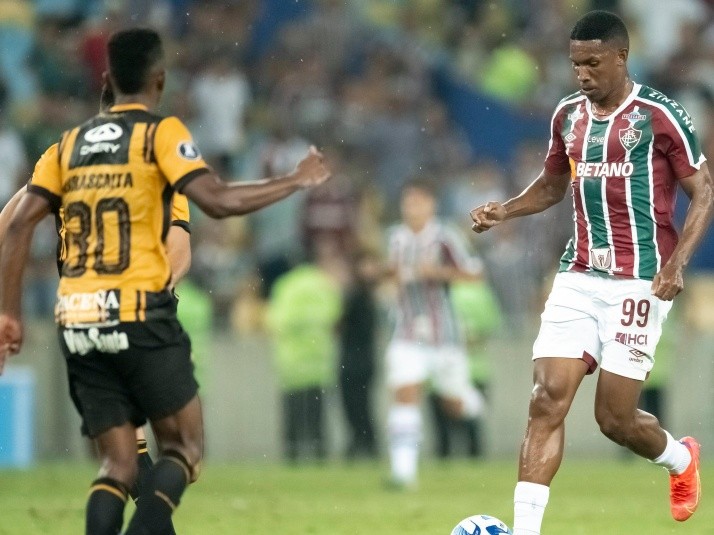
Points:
601	258
630	137
188	150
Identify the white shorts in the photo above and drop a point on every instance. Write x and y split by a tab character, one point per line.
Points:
411	363
615	323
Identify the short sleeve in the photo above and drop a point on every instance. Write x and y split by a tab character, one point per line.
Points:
180	215
46	179
557	161
176	154
678	140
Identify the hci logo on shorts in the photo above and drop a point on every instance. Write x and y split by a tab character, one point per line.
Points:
629	339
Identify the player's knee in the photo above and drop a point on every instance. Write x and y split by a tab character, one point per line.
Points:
191	454
120	466
613	427
548	403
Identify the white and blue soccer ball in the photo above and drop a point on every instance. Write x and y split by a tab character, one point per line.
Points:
481	525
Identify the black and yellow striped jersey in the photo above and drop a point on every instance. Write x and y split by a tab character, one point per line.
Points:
112	183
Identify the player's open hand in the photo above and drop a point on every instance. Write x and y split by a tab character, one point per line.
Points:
312	170
10	338
487	215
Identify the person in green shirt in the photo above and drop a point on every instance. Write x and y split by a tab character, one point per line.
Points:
303	313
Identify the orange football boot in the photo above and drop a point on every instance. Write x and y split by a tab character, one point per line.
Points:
685	489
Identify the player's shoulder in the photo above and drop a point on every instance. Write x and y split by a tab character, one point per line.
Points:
450	231
666	107
572	103
655	97
570	99
656	100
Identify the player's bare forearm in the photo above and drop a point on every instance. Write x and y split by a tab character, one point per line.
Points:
700	189
8	210
219	199
16	249
541	194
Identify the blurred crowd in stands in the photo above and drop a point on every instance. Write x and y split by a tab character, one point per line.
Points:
258	81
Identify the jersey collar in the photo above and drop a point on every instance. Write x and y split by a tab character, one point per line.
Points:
635	90
127	107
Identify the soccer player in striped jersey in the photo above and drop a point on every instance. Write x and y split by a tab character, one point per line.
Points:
424	256
624	148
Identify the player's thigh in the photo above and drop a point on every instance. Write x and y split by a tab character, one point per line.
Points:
631	320
616	397
98	391
569	327
162	376
116	448
407	365
182	431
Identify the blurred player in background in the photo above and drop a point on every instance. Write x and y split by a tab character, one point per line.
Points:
128	357
624	148
424	257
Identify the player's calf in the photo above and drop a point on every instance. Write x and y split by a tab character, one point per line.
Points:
161	496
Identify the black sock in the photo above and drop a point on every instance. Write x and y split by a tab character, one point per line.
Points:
105	507
161	495
145	464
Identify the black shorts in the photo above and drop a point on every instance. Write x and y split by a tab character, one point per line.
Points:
130	372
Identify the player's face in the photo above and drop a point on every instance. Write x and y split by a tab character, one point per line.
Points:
417	206
599	67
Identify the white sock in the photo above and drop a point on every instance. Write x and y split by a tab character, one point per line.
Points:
529	501
404	428
675	457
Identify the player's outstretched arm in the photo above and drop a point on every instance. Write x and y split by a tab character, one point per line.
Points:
13	258
699	187
8	210
541	194
219	199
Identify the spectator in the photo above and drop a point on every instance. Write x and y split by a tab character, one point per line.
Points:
303	313
358	341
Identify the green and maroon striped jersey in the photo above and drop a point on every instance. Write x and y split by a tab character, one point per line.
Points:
624	171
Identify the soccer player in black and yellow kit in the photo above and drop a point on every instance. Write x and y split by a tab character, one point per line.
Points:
178	250
128	358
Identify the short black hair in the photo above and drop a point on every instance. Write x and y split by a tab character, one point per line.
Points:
131	54
600	25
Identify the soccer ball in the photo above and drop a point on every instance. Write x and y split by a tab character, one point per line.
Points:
480	525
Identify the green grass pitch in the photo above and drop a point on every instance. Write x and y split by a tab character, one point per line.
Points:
588	497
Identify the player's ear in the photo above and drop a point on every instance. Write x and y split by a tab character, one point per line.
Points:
622	55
